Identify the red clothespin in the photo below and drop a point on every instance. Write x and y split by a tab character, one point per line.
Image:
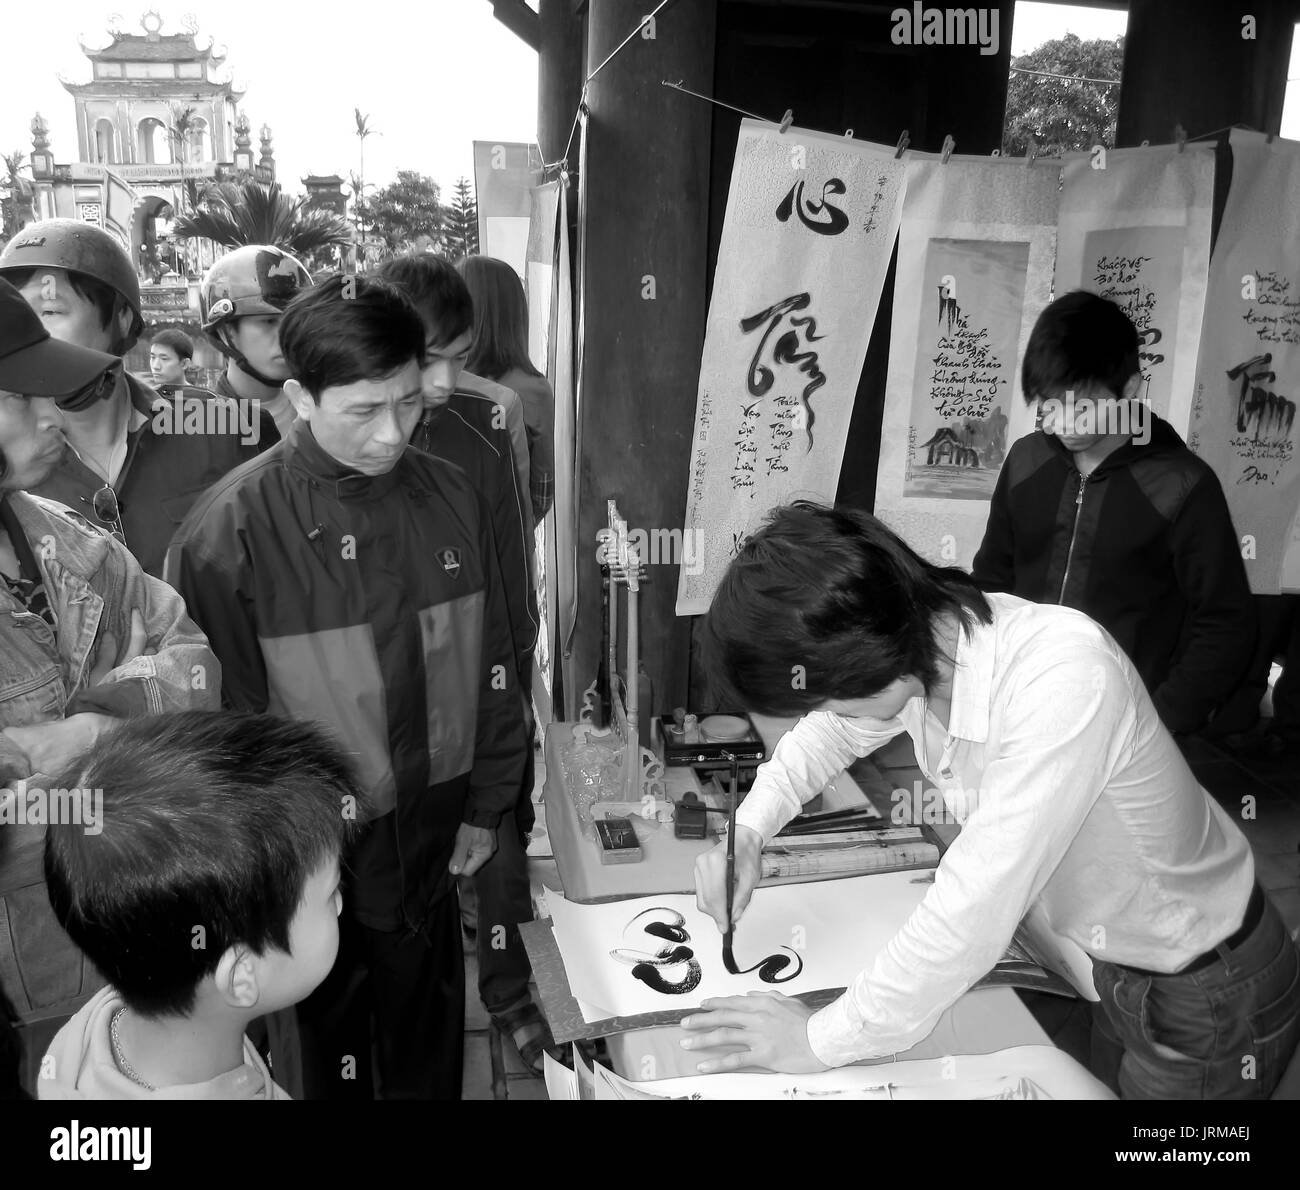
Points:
1031	151
1180	137
787	119
903	141
948	145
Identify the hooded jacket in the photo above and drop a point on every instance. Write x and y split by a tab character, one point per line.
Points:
80	1064
1144	545
372	605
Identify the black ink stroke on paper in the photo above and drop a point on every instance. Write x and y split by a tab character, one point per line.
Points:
653	969
662	970
785	350
769	969
810	212
1271	413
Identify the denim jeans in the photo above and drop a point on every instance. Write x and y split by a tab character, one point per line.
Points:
1226	1031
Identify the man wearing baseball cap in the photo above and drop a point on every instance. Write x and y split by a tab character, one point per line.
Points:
87	638
137	460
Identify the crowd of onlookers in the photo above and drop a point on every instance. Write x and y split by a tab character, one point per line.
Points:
287	654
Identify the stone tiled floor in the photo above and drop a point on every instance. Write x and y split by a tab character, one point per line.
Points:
1262	794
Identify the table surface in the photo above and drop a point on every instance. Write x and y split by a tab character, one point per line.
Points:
668	863
982	1021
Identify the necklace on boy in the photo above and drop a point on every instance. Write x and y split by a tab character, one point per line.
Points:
123	1065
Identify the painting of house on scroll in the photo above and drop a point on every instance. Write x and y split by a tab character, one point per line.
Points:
965	367
1140	270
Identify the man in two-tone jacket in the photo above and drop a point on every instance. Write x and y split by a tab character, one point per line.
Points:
346	578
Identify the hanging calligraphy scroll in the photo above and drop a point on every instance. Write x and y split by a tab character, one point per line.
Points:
975	259
810	227
1248	375
1135	228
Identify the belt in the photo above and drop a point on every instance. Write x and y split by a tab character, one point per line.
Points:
1254	914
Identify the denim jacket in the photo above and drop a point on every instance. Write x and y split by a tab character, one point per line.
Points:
93	584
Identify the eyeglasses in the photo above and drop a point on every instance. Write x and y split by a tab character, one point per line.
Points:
108	511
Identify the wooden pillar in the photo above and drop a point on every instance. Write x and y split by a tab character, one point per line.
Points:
559	74
646	235
1189	64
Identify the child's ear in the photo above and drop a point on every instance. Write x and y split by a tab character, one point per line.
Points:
236	977
1131	386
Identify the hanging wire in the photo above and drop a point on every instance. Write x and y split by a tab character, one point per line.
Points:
1052	74
677	86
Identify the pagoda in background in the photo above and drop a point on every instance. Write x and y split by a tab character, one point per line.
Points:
154	124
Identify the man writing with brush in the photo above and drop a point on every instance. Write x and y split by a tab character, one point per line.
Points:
1072	794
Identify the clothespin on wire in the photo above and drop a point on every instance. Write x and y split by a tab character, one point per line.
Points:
948	145
1031	151
787	119
903	141
1180	137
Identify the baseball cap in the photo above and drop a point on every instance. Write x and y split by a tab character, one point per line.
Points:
34	363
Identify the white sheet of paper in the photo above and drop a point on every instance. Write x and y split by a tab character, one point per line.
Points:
561	1082
1048	1072
836	927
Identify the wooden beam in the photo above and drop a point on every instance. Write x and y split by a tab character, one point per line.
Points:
521	20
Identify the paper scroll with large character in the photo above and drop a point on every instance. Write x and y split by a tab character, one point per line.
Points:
810	226
1248	378
1135	228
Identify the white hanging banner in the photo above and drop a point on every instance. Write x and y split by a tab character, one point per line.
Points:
1135	227
975	255
810	227
1248	376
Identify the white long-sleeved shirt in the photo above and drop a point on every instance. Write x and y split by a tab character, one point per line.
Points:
1069	790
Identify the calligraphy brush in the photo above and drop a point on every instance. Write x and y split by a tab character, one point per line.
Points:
728	959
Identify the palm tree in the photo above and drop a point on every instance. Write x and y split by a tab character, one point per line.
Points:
15	187
363	130
180	134
259	213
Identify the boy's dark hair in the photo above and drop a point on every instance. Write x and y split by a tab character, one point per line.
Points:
826	603
347	329
210	819
1080	338
438	291
178	341
106	300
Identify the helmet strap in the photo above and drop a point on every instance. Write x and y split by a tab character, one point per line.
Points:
225	342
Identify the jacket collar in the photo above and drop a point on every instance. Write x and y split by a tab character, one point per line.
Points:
972	679
1163	438
301	450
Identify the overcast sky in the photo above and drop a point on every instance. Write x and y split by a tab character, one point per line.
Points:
434	75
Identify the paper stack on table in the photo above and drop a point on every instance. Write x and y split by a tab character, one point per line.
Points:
1025	1072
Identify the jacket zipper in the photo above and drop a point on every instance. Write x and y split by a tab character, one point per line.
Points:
1074	531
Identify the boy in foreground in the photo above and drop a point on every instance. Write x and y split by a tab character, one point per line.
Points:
210	899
